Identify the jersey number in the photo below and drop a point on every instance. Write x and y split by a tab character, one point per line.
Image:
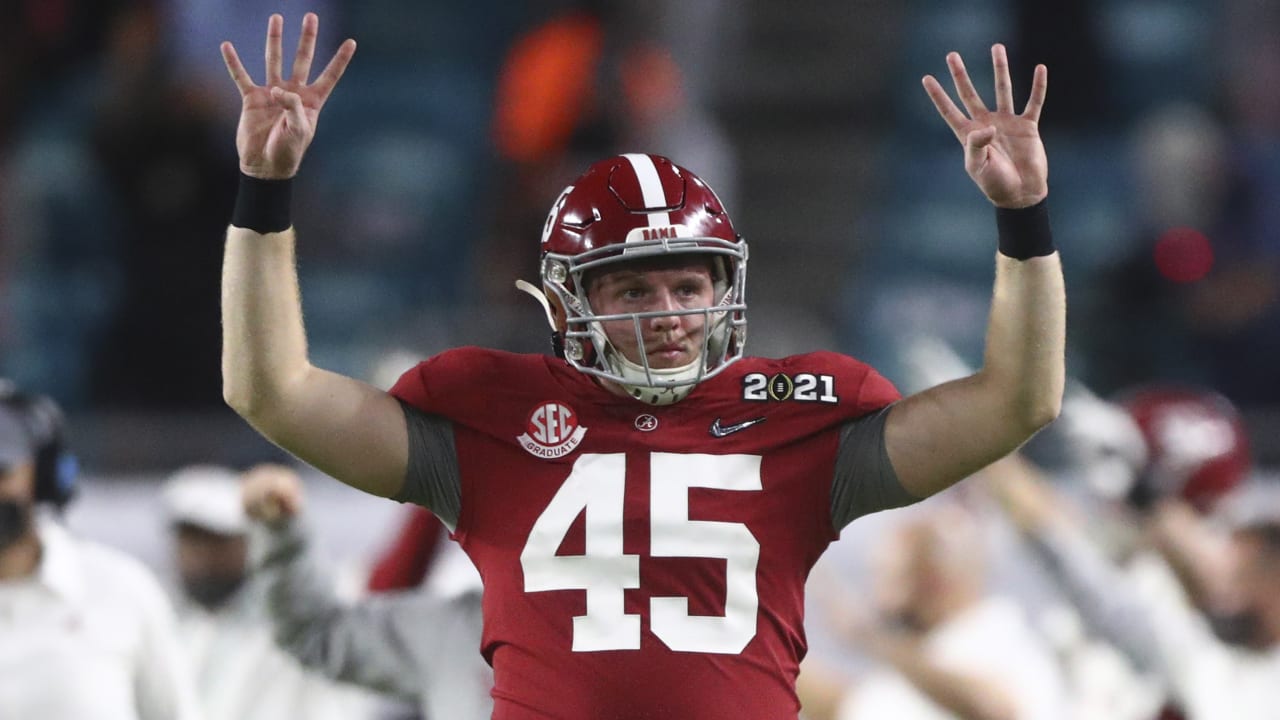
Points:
596	485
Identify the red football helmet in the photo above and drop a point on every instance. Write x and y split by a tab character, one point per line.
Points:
638	207
1197	446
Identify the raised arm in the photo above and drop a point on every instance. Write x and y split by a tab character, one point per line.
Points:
361	644
1140	614
346	428
941	435
414	644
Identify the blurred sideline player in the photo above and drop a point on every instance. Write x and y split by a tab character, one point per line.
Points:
643	510
240	674
1163	606
946	646
1146	570
86	633
419	644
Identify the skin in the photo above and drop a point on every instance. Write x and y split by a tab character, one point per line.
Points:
20	558
271	494
922	580
669	340
1254	572
201	553
356	433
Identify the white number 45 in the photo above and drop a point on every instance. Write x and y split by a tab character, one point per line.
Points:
596	485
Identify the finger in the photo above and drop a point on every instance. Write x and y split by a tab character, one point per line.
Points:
253	500
236	68
1039	87
946	108
275	30
290	501
269	510
306	49
1004	86
964	86
294	112
334	70
975	147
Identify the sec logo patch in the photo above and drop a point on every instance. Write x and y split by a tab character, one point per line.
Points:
552	431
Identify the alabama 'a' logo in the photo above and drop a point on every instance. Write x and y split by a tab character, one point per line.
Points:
552	431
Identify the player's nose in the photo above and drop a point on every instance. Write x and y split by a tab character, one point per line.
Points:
664	301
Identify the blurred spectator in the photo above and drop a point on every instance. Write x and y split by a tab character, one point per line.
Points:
1251	51
88	633
1064	34
171	172
1128	459
195	28
41	41
240	674
592	79
1145	615
946	647
381	641
56	239
1198	300
1165	592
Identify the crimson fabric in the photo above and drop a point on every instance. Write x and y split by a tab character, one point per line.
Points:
406	562
528	636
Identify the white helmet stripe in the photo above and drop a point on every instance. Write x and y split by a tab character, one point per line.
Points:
650	187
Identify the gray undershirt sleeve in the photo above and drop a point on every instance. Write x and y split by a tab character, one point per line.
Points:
365	644
432	479
865	481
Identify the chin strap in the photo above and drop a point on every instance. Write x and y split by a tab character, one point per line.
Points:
557	340
652	395
537	294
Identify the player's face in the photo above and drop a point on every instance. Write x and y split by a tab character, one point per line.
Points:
673	285
212	566
1255	573
17	496
18	482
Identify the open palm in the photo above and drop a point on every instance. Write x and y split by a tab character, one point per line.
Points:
278	118
1003	151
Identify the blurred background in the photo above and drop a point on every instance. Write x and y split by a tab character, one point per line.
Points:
457	125
421	199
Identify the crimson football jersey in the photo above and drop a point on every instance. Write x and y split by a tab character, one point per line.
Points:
644	562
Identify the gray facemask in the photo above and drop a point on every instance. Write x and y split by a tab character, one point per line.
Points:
15	518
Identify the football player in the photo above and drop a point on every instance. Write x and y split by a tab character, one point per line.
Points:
85	630
643	510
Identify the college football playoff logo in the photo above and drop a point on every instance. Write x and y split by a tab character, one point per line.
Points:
552	431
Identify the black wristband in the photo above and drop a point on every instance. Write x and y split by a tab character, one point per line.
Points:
1024	232
263	205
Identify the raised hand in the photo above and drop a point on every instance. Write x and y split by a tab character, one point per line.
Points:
271	493
1002	150
278	118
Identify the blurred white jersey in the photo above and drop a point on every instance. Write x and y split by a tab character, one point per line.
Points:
993	639
241	674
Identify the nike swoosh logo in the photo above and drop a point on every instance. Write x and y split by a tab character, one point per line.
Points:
718	430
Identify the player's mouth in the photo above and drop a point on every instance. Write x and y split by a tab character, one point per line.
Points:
668	355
